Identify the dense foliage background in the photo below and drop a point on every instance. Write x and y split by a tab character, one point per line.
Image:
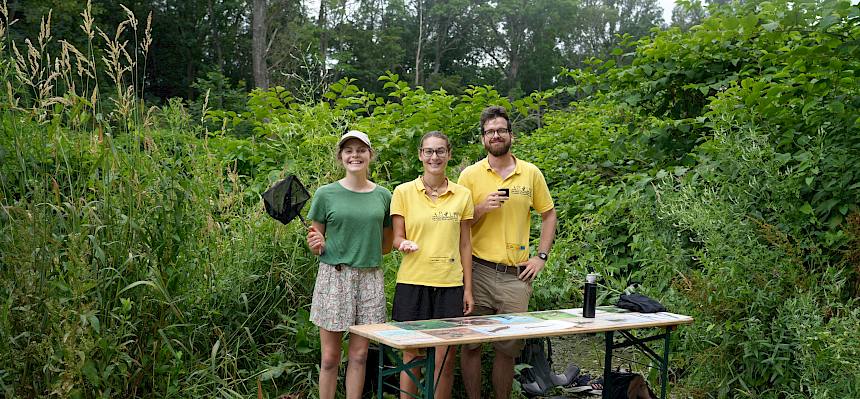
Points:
717	165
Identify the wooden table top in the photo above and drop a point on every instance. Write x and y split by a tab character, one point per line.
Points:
479	329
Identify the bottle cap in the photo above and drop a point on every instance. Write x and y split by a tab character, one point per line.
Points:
591	277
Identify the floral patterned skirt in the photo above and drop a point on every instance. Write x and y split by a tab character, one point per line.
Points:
345	296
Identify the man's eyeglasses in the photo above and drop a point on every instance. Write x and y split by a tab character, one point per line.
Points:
501	132
428	152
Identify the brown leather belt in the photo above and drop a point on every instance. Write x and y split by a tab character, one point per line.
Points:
499	267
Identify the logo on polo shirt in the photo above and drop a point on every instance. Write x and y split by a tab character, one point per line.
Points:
441	216
521	190
516	247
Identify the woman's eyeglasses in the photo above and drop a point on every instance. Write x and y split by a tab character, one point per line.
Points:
428	152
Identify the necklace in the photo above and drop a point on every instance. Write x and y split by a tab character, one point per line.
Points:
433	191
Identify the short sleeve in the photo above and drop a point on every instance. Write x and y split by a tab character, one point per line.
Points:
398	203
542	200
319	208
465	180
468	212
386	220
462	179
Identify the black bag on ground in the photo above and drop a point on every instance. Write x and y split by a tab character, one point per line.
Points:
538	379
627	386
640	303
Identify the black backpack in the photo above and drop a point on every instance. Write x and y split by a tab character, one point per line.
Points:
540	378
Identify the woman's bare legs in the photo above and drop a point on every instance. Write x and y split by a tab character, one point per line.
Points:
357	366
330	362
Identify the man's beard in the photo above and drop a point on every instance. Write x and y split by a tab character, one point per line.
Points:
498	151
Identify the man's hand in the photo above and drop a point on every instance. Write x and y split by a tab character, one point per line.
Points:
533	266
316	241
468	302
493	201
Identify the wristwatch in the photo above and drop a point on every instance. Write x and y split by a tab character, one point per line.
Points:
543	256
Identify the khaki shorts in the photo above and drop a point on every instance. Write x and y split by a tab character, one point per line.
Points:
347	297
498	292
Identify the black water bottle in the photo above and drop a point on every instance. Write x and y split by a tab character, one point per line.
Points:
589	296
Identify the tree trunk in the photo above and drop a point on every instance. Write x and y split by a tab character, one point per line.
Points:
420	41
441	36
190	72
321	24
514	68
516	38
258	45
216	38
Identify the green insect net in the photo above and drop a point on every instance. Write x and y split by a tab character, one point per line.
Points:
285	200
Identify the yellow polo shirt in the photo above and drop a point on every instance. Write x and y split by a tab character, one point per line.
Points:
502	235
435	227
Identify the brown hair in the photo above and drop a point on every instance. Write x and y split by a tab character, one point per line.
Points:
493	112
435	133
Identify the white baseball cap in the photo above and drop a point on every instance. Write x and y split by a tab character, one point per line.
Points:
354	134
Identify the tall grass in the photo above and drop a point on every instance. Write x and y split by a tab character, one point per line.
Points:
133	261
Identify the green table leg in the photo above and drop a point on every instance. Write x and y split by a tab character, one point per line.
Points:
430	373
381	370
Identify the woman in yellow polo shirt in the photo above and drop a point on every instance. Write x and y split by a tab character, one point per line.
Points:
431	219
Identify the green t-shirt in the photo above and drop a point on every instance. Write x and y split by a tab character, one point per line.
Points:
353	224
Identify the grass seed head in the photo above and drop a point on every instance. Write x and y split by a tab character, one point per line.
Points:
87	15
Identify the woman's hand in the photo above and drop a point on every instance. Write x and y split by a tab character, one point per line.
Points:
468	302
407	246
316	241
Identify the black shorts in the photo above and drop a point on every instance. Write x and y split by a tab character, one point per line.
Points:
421	302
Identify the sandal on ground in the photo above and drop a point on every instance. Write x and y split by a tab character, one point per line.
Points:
596	385
579	384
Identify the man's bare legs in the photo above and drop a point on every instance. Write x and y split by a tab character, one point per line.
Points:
503	375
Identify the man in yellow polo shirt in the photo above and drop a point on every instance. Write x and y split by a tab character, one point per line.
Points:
504	190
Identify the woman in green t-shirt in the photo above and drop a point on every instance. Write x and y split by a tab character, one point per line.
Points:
351	229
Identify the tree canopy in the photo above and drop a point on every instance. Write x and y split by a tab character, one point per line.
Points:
515	45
